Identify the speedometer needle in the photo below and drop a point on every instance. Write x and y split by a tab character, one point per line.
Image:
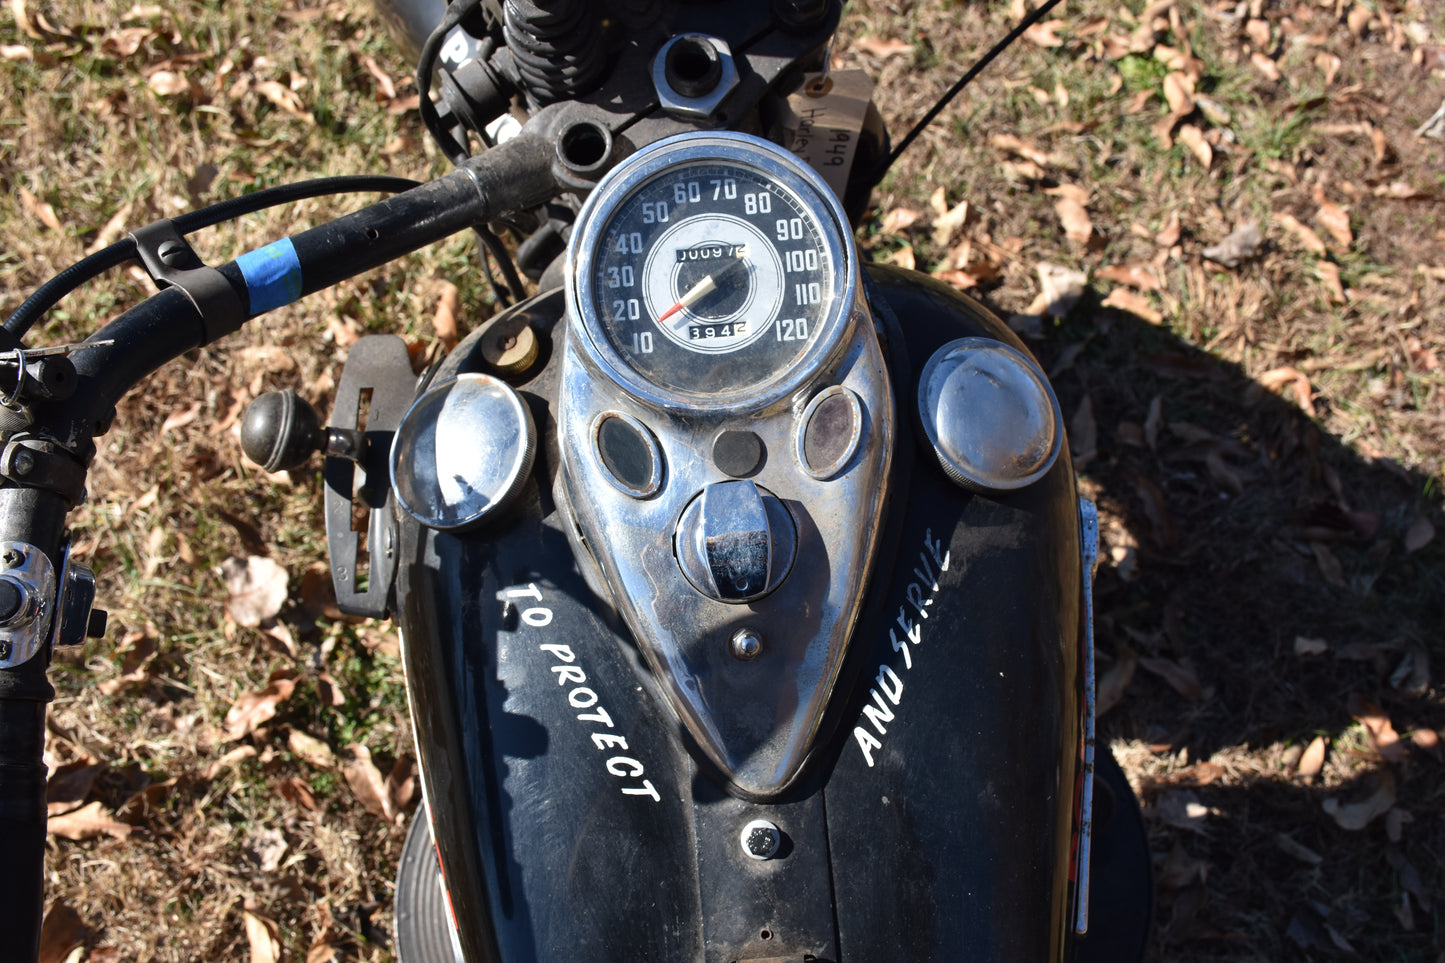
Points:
703	288
695	293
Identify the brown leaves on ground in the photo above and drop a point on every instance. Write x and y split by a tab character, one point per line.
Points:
261	935
61	933
253	709
882	47
1358	814
384	797
257	587
88	822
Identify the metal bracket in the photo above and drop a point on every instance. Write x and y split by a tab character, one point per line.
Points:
76	617
34	463
377	376
171	262
29	579
1089	556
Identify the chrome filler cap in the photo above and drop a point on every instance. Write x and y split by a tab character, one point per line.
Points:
990	415
462	452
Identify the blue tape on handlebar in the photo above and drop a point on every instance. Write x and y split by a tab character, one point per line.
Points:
273	275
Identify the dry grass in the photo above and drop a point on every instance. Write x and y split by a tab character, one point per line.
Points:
1234	522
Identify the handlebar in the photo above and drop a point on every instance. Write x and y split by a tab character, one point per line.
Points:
517	175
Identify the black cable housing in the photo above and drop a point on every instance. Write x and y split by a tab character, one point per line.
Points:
50	293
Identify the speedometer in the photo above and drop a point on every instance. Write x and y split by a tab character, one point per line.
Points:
711	269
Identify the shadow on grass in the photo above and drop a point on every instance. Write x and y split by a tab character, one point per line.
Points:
1232	526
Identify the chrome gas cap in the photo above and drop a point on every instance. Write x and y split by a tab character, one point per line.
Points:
735	542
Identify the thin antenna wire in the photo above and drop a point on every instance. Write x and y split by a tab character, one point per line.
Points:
963	82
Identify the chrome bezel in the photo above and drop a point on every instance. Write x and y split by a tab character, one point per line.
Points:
654	481
825	472
744	150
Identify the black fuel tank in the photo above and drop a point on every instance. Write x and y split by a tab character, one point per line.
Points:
934	820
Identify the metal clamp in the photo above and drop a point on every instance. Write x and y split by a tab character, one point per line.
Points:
27	601
171	262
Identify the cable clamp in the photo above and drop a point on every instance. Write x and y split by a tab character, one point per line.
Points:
171	262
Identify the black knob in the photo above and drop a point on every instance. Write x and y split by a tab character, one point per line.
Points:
280	430
12	599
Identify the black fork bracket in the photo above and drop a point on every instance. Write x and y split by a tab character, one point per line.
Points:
377	376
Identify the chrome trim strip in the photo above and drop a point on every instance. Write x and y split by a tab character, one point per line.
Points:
1089	551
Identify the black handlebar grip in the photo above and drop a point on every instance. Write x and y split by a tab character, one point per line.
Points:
22	823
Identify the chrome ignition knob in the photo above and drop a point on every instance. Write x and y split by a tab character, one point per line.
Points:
735	541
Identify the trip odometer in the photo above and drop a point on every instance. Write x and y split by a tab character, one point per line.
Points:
711	269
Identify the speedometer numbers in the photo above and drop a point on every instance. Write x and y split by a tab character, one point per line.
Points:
707	260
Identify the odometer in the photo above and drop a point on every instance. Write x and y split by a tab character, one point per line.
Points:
710	267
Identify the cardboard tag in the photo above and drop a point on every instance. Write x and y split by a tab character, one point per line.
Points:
825	121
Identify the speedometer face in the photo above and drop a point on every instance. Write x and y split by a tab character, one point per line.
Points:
714	275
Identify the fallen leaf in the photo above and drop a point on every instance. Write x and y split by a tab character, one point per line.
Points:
1299	383
1303	233
444	322
1300	852
1168	235
40	209
899	219
1179	869
1265	66
267	846
1156	509
1329	274
1358	19
959	279
1199	774
1337	222
285	98
385	88
1075	220
297	792
945	224
882	48
1313	760
1059	290
367	784
261	935
254	708
1395	822
903	257
1238	247
1179	93
1427	739
1258	32
1329	564
112	230
87	822
1193	138
322	952
61	933
1016	145
310	749
229	759
137	650
1181	677
257	587
401	784
1420	533
1383	737
1357	815
1045	34
1182	809
1134	304
1153	421
1131	273
1116	679
1304	646
69	784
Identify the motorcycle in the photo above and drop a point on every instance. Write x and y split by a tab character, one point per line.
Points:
743	588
